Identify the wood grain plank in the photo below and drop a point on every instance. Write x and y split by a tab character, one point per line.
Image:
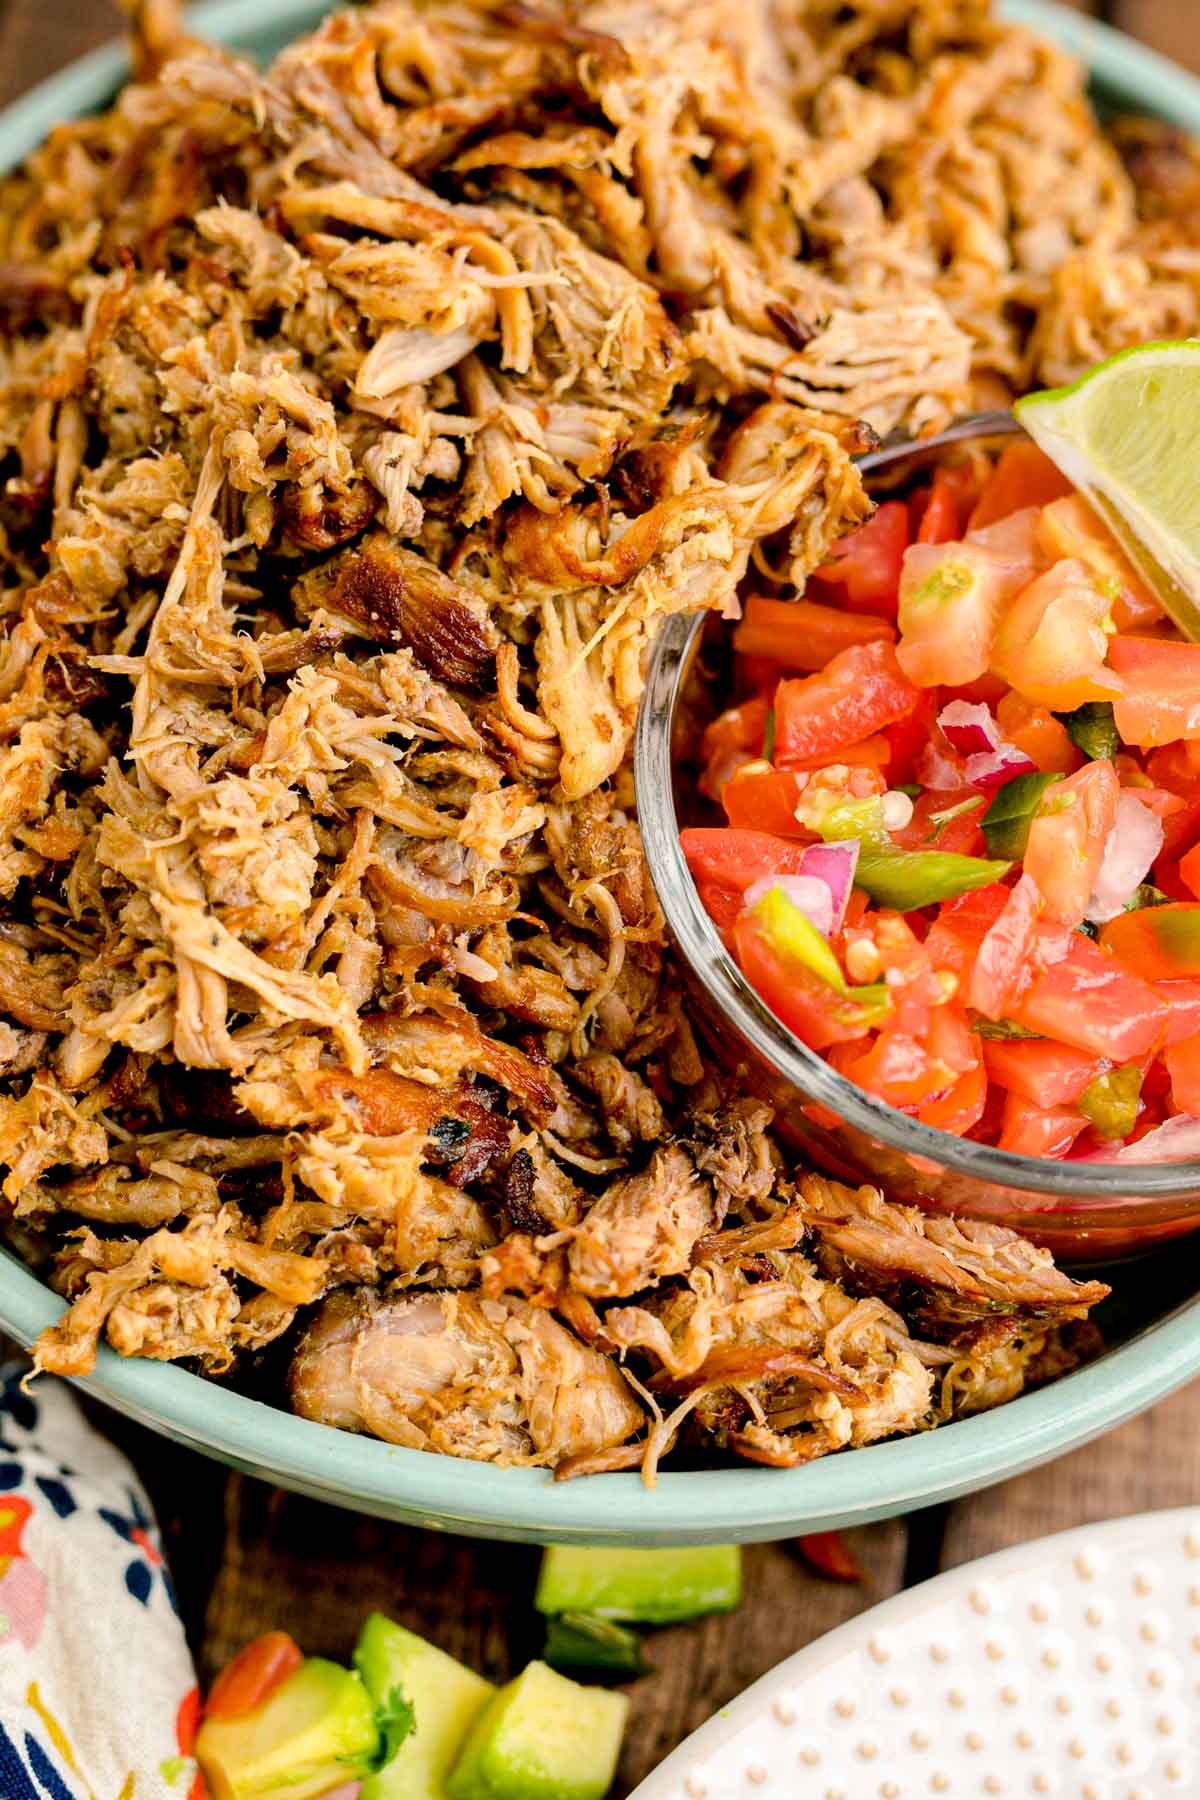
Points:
39	36
1166	25
316	1572
1152	1462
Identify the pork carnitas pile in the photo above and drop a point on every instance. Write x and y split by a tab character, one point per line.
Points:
362	418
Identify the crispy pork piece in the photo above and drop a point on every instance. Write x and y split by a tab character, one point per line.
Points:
953	1269
643	1228
495	1380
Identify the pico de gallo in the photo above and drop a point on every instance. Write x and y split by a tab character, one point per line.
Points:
961	849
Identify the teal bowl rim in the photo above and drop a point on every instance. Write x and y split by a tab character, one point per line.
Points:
711	1505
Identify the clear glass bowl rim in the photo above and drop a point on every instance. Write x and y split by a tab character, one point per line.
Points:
729	991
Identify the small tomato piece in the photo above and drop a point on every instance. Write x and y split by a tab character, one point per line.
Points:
737	859
1183	998
865	565
801	634
951	499
861	691
1034	729
1160	942
1182	1062
1024	476
951	596
826	1554
1091	1000
1066	839
255	1672
1029	1130
961	1107
1003	960
733	738
945	821
1071	528
758	798
1041	1071
1160	698
1051	642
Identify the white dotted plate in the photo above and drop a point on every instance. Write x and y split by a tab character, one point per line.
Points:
1069	1666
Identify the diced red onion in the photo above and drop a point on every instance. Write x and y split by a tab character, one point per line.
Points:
808	892
834	864
974	733
1133	846
349	1790
992	768
1175	1140
969	728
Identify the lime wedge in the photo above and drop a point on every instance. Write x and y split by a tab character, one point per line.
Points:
1128	435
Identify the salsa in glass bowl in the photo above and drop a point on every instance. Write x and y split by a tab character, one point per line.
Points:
936	877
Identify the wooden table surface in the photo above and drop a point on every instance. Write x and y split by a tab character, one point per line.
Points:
246	1556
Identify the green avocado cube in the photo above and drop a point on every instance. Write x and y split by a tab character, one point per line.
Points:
648	1587
542	1738
445	1697
313	1732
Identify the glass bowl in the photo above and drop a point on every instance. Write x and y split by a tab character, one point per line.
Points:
1082	1211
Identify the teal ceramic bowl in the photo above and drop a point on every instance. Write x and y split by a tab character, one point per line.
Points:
1155	1329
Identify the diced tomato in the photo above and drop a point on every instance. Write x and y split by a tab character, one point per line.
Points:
951	498
1183	1066
912	981
873	753
759	798
1034	729
1051	642
897	1068
737	859
1160	942
1189	870
1067	838
255	1672
945	821
1002	963
961	926
722	904
1029	1130
961	1107
1183	998
1071	528
951	596
733	738
810	1007
803	635
1089	999
865	565
907	738
826	1553
1161	689
1024	476
856	695
1039	1070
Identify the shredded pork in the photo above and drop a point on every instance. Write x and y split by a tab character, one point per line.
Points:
362	418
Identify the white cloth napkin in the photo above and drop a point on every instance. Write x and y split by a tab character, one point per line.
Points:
98	1697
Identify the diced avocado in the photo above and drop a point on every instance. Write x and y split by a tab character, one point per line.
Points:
582	1641
313	1732
445	1697
651	1587
542	1738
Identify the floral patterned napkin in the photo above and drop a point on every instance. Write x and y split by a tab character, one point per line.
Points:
98	1696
